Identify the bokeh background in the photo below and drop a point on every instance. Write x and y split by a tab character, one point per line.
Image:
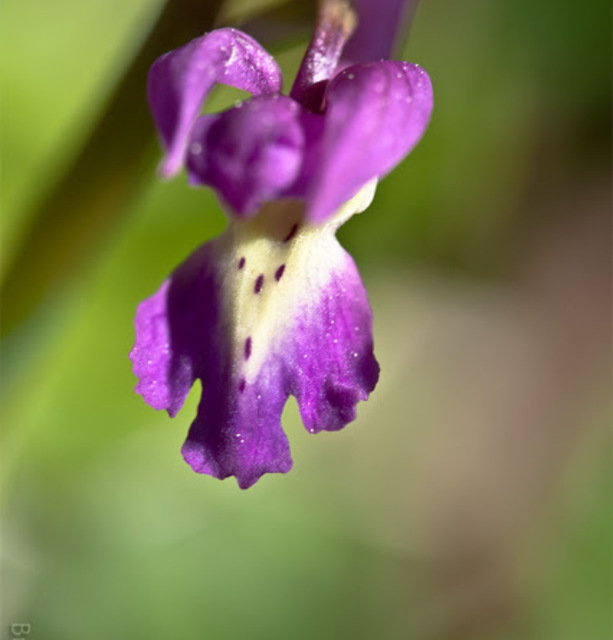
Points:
472	496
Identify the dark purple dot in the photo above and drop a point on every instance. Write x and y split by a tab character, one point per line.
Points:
259	283
279	272
241	385
241	262
247	348
291	234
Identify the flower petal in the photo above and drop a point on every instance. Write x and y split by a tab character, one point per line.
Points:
331	349
238	433
249	154
173	331
272	307
375	114
180	80
335	23
379	24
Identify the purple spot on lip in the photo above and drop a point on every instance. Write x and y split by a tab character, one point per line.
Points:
241	262
259	283
247	348
291	234
241	385
279	272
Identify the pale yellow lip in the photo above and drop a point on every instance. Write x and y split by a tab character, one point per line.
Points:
273	267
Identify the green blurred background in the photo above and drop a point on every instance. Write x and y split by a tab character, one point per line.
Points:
472	496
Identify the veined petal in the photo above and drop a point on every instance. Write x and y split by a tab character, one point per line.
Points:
249	154
375	114
180	81
272	307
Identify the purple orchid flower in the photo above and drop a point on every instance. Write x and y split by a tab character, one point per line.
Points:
274	306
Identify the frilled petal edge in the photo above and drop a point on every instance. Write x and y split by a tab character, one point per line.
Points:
180	81
272	307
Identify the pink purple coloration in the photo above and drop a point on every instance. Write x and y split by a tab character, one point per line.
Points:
325	359
291	233
279	272
338	130
369	117
259	283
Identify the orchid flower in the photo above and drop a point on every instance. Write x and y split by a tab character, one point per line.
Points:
274	306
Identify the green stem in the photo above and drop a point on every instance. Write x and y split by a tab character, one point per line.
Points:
71	224
74	219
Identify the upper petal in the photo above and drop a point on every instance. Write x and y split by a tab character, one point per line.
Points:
375	114
180	80
335	23
379	24
249	154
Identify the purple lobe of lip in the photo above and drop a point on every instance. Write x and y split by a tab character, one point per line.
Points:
323	356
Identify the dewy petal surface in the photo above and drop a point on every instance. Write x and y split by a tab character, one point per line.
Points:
180	80
272	307
249	154
375	114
